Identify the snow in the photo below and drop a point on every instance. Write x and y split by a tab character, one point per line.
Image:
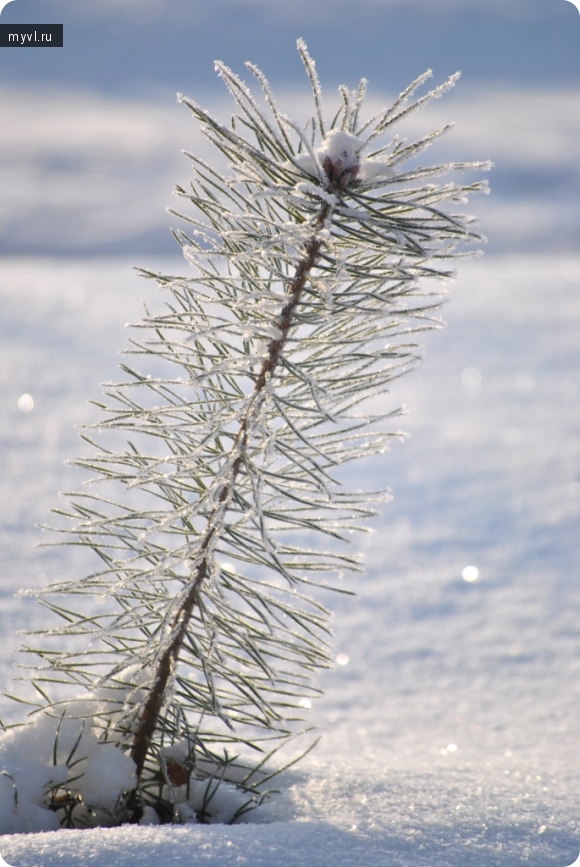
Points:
290	845
488	478
342	150
62	751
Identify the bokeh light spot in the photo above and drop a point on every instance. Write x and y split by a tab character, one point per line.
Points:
470	574
25	403
471	377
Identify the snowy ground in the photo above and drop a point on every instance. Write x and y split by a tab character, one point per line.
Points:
450	737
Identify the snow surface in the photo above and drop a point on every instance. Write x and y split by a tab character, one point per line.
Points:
450	732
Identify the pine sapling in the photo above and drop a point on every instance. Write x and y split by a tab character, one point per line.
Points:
263	375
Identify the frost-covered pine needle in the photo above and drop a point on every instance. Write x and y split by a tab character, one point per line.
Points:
240	402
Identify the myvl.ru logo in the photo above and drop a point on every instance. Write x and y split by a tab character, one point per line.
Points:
29	36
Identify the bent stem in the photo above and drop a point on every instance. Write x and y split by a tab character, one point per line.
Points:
170	657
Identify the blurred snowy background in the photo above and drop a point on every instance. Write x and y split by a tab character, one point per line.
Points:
450	724
91	133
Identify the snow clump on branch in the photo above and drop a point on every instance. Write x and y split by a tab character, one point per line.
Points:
339	157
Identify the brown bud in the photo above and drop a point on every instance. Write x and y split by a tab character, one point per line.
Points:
179	772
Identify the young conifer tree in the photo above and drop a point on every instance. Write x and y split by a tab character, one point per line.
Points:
253	387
